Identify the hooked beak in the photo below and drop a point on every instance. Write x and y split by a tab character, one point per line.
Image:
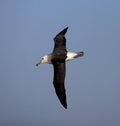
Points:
39	63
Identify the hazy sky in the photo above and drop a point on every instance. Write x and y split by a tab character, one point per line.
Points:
27	96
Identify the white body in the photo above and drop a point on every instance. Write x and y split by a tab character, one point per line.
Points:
70	56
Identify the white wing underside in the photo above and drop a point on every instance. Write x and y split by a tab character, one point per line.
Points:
70	56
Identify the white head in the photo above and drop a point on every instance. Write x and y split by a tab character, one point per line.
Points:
45	59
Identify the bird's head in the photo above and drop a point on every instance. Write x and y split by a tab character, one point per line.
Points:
45	59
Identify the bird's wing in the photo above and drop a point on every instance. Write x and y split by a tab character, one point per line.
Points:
60	40
58	60
58	81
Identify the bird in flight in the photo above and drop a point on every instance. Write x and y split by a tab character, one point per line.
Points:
58	58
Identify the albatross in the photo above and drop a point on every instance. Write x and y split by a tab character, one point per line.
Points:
58	58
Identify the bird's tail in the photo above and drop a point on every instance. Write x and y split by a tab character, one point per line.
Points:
79	54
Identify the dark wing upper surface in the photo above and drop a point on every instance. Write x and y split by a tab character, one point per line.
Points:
60	51
58	81
58	59
60	40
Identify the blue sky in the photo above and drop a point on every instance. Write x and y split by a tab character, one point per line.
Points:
27	29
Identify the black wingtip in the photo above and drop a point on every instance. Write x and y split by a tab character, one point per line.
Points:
64	104
65	28
62	98
63	32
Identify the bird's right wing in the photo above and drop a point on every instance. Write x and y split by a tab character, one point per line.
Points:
60	40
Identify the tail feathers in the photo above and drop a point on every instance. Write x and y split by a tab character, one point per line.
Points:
79	54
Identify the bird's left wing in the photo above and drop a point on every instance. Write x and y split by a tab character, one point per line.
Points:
58	81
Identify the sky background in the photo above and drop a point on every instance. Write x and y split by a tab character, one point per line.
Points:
27	29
